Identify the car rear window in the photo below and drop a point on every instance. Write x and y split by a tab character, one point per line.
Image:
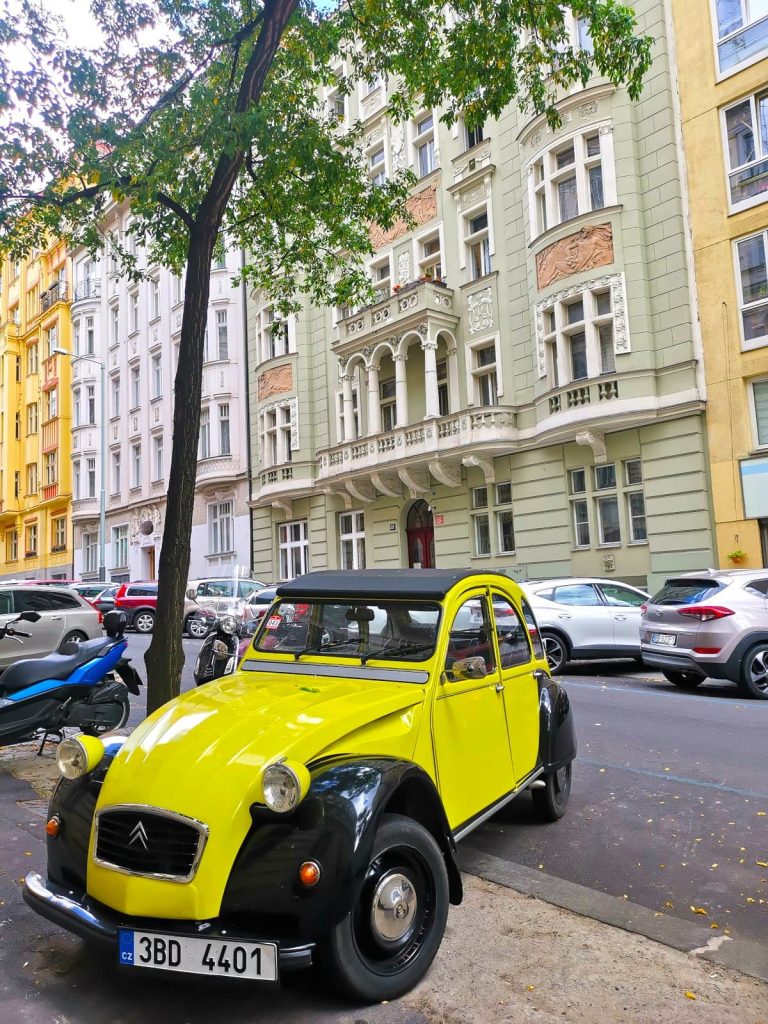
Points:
144	590
685	591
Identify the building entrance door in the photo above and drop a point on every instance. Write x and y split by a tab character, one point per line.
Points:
421	536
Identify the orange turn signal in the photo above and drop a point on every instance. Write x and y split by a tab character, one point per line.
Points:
53	826
309	873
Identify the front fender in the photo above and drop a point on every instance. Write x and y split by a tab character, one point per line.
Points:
557	733
334	825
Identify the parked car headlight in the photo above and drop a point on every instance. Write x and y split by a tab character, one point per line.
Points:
228	624
285	785
78	755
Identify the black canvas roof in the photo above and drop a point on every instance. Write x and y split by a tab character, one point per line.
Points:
377	583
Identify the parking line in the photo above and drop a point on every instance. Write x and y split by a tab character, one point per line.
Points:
668	777
753	705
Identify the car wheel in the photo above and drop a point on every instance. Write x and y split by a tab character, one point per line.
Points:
385	945
754	672
556	650
75	636
196	628
144	622
685	680
551	799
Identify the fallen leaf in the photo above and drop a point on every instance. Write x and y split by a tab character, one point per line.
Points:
751	899
714	865
713	925
669	904
689	995
699	910
761	814
530	988
762	863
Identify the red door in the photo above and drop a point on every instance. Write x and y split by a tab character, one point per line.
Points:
421	536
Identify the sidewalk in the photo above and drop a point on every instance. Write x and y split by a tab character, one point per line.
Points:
507	957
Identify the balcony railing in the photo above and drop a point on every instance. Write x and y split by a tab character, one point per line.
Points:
50	491
583	394
56	293
87	288
411	300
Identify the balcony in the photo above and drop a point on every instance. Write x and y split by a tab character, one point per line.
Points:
50	436
87	288
85	508
411	305
49	492
286	482
56	293
219	469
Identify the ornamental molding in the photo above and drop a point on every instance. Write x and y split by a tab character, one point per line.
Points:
404	268
146	514
388	484
586	249
446	473
584	106
415	480
594	439
486	465
480	310
397	139
362	490
422	208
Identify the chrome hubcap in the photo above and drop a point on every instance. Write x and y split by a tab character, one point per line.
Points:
759	670
553	650
393	907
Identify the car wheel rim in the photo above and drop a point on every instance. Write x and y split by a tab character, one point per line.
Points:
759	671
554	652
395	911
196	628
562	782
144	623
74	639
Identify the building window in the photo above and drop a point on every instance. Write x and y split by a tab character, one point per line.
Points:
51	403
352	540
636	512
77	412
90	552
76	342
51	465
51	339
377	170
177	289
424	144
30	540
154	298
473	136
580	514
32	360
17	360
746	124
273	334
116	473
753	290
59	530
32	478
759	391
17	426
505	525
388	404
481	534
484	372
578	481
224	439
742	32
633	472
579	337
135	387
222	337
221	528
76	482
293	547
571	179
478	243
12	545
605	477
204	445
114	325
16	483
90	404
381	278
90	478
157	460
133	301
276	436
431	260
608	520
157	375
443	398
119	546
115	400
135	465
90	336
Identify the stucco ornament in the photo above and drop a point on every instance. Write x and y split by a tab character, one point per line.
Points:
275	381
147	514
480	310
397	139
404	268
590	247
594	439
422	207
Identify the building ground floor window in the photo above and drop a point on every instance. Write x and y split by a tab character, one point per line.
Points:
352	540
293	547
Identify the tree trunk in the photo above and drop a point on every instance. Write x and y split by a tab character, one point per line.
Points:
165	657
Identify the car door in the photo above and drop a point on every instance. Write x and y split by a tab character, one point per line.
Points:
517	664
469	723
581	612
77	614
624	605
47	632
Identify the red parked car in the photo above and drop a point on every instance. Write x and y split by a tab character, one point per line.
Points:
139	602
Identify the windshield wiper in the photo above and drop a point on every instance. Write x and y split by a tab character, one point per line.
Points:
322	648
406	647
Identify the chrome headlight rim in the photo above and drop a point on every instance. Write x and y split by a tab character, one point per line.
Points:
228	624
287	774
72	758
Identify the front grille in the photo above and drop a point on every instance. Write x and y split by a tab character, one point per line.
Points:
144	841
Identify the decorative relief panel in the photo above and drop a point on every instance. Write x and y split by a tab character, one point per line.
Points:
397	138
404	268
590	247
422	207
275	381
480	310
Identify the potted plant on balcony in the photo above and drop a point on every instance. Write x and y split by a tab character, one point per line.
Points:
736	556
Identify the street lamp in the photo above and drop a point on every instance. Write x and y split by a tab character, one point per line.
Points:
102	454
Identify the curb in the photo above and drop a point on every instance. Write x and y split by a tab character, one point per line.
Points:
690	937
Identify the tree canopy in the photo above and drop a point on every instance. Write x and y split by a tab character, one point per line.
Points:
210	119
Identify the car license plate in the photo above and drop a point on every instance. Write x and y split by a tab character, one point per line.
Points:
255	961
665	639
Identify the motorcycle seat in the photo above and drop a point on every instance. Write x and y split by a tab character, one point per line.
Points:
54	666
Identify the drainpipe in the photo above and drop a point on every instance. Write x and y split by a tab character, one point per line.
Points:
247	403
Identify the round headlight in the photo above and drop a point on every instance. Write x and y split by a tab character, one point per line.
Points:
77	755
282	788
228	624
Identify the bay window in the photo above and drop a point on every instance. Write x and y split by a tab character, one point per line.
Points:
578	335
572	178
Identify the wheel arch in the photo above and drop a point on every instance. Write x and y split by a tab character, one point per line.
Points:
560	633
557	732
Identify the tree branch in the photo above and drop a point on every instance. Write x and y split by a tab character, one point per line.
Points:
176	208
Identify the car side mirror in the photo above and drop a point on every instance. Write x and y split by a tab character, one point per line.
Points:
467	668
30	616
191	593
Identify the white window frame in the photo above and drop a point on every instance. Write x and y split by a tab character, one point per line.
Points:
475	371
120	546
424	139
114	325
136	465
557	343
431	265
477	519
631	518
90	404
135	381
293	553
222	335
156	368
90	553
204	436
758	444
761	156
225	428
748	345
378	170
353	538
90	478
482	237
380	273
157	458
59	530
718	41
221	527
90	336
115	396
133	309
117	472
154	298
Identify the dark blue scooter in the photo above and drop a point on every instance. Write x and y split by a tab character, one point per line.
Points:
74	687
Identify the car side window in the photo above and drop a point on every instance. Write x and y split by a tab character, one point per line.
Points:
533	629
514	648
577	593
142	591
470	635
759	587
32	601
62	601
6	602
621	596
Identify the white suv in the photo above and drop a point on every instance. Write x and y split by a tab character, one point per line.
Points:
586	618
223	594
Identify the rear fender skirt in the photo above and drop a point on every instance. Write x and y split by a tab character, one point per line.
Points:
557	734
129	675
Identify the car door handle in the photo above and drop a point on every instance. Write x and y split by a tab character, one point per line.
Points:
57	618
621	617
499	687
564	615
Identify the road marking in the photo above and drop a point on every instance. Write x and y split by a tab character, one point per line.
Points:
719	786
753	705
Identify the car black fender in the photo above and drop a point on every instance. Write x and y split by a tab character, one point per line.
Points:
557	733
334	826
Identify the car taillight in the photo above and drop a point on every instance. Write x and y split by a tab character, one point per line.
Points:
643	608
705	612
101	617
706	650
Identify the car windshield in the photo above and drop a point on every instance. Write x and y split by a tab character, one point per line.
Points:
392	630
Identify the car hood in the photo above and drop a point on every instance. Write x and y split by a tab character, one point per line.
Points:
203	754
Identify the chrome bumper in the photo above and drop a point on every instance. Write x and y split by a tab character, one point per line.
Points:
79	914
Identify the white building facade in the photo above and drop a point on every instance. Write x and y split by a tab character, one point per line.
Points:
126	336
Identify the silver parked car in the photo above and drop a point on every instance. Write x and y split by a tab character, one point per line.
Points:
712	623
586	618
64	616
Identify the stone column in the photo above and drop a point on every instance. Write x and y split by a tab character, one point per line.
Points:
430	378
349	408
374	408
401	392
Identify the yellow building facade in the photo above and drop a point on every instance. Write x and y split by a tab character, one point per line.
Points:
722	62
35	417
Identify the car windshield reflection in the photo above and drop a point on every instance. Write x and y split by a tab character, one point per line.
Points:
369	630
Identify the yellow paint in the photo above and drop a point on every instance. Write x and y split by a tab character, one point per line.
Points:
728	369
203	754
30	513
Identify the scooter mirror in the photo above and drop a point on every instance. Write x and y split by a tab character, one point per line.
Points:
29	616
115	623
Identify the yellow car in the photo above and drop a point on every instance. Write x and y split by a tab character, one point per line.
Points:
307	807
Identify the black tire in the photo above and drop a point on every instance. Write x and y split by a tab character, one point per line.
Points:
551	800
144	621
685	680
557	651
118	723
753	680
364	963
75	636
196	628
